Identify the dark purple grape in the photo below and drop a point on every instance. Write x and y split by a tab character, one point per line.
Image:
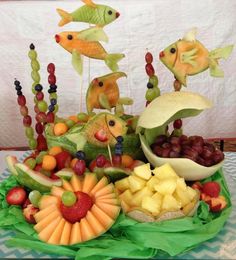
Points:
166	152
53	101
38	87
166	145
80	155
183	138
160	139
157	150
218	156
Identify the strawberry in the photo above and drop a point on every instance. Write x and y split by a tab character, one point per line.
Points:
16	196
63	160
101	135
79	210
26	203
211	189
29	212
197	186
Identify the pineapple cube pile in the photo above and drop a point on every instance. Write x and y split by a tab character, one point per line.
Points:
155	191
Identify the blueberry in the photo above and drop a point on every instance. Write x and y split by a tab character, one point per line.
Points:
53	87
38	87
118	145
19	92
118	151
17	82
32	46
80	155
53	101
18	87
51	91
119	139
51	108
149	85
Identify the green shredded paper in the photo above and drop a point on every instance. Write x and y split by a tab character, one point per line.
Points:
127	238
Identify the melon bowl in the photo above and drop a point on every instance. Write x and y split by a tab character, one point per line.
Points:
156	117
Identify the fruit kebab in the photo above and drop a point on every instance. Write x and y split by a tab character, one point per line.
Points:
27	120
153	91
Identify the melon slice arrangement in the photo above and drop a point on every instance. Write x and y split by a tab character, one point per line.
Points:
98	178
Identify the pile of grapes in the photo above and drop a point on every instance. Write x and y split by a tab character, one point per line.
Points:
194	148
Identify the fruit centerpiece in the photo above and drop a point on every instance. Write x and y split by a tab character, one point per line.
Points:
106	184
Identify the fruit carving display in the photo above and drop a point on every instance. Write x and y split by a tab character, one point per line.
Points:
80	210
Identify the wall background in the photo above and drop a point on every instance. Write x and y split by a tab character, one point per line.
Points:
152	24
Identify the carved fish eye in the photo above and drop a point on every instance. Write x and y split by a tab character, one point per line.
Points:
69	37
172	50
110	12
100	84
111	123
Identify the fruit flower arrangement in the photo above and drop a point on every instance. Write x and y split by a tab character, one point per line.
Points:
108	184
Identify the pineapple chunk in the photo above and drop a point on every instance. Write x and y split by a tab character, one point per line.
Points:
150	204
143	171
126	196
157	197
122	184
139	195
152	182
165	171
191	193
136	183
180	184
182	197
169	203
166	186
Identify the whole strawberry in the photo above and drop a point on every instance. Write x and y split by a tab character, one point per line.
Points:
211	189
16	196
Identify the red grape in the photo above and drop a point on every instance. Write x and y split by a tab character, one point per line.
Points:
176	148
116	160
218	156
41	117
50	117
183	138
149	70
174	140
160	139
100	160
166	145
206	153
80	167
189	157
174	154
24	110
51	68
21	100
177	124
157	150
210	147
27	121
198	148
148	57
190	152
166	152
39	128
36	109
39	96
51	79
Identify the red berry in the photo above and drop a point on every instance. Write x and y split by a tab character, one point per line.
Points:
40	96
148	57
39	128
101	135
92	165
21	100
27	121
24	110
36	109
50	117
16	196
149	70
51	79
177	124
51	68
116	160
42	143
26	203
80	167
211	189
41	117
100	160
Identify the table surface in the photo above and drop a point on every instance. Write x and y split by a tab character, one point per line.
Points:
223	246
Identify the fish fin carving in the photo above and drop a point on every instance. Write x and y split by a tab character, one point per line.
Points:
93	34
77	62
90	3
189	57
104	102
65	17
220	53
111	60
191	35
126	101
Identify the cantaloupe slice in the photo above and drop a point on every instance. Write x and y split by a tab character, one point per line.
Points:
96	226
57	191
108	196
113	201
45	233
56	235
101	216
75	236
102	183
67	186
40	215
65	236
47	200
76	183
111	210
105	190
86	231
90	180
47	220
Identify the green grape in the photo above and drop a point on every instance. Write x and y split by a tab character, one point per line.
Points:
119	110
70	123
68	198
153	80
32	144
82	117
32	54
34	197
35	76
39	158
31	163
53	95
177	132
35	65
152	93
45	172
29	132
42	106
56	107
